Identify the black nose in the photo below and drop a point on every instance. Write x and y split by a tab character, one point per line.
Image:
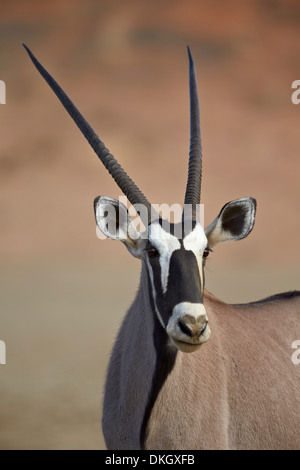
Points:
191	326
184	328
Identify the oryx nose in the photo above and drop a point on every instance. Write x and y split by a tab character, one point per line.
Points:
192	326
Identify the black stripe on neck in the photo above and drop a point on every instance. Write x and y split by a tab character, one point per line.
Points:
165	361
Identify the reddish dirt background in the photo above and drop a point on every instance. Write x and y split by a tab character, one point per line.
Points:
125	66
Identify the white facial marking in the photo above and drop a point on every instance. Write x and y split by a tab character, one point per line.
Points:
186	308
154	293
165	244
196	242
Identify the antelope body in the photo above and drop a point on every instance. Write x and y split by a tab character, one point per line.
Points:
188	371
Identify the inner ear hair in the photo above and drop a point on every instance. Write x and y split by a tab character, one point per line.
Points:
233	219
117	218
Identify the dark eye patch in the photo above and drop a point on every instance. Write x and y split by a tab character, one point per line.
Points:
206	252
151	251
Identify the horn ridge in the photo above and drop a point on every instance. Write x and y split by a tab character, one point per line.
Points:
122	179
193	188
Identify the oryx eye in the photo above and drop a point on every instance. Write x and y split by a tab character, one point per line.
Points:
151	251
206	252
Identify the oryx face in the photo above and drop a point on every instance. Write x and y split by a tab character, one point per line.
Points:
175	256
175	268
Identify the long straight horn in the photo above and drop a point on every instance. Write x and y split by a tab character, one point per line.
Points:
124	182
193	188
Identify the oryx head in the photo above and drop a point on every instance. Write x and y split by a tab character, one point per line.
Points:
174	263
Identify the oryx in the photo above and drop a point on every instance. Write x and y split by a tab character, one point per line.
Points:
241	390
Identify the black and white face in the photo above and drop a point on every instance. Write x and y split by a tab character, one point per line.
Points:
175	265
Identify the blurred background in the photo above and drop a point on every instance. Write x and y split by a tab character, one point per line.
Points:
64	291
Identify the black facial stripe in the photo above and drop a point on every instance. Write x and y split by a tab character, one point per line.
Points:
165	361
150	290
184	282
160	297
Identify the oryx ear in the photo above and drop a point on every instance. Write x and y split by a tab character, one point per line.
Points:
113	220
235	221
